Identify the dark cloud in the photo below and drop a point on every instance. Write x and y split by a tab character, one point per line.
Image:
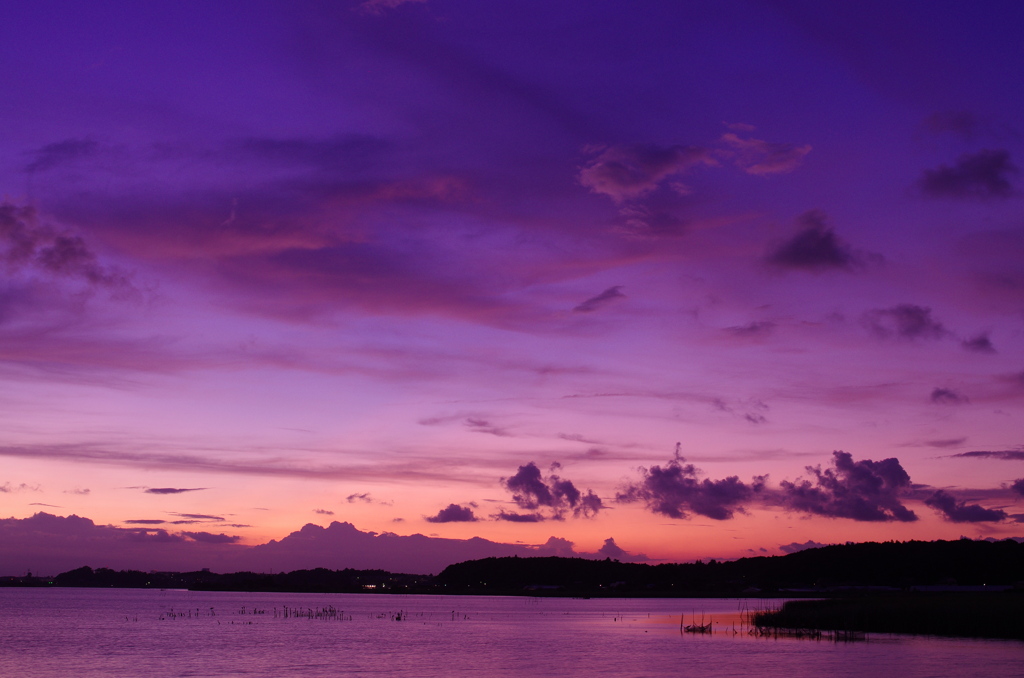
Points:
78	490
628	172
1008	455
863	490
27	244
984	174
145	521
362	496
453	513
815	247
531	491
323	512
979	344
39	503
519	517
601	300
1018	486
172	490
905	321
946	396
60	153
961	512
795	547
756	156
200	516
674	490
210	538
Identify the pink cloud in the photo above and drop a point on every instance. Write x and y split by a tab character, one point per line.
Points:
628	172
756	156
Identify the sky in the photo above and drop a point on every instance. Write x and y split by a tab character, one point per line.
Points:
398	283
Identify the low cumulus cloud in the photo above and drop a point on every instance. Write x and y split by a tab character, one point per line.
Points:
1018	486
756	156
947	396
360	496
53	544
625	173
550	496
210	538
815	248
453	513
675	490
962	512
795	547
985	174
862	490
904	321
323	512
600	301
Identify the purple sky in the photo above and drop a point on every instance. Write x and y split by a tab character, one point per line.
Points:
704	279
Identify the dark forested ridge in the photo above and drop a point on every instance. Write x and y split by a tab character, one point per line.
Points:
897	565
892	564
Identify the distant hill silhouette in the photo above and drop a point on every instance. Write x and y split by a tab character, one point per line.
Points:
891	564
898	565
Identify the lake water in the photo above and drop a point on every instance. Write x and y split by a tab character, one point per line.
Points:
108	633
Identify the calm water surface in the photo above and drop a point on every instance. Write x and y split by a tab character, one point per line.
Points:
109	633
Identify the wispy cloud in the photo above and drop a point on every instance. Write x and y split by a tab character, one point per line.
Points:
947	396
1006	455
756	156
626	173
599	301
